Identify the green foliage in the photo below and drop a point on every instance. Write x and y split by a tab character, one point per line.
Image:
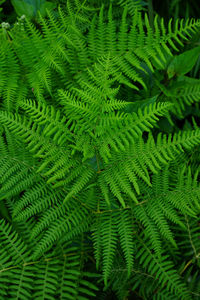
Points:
183	63
30	8
99	164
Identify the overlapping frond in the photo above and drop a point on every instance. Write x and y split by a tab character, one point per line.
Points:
88	175
182	94
107	228
25	278
162	269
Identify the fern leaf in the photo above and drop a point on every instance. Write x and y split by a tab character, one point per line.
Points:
163	271
12	243
125	231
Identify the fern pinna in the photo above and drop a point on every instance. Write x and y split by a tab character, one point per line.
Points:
99	186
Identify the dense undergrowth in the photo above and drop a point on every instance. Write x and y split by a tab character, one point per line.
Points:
99	151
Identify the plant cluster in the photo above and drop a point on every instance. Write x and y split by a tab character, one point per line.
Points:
99	155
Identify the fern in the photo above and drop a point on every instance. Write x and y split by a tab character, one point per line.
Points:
29	278
99	171
163	270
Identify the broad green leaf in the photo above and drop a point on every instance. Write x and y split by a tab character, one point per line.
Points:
23	8
30	8
183	63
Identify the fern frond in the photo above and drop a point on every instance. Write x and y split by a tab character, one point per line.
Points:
183	94
125	229
163	271
10	74
87	171
35	201
109	240
26	279
58	221
191	247
11	242
134	164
